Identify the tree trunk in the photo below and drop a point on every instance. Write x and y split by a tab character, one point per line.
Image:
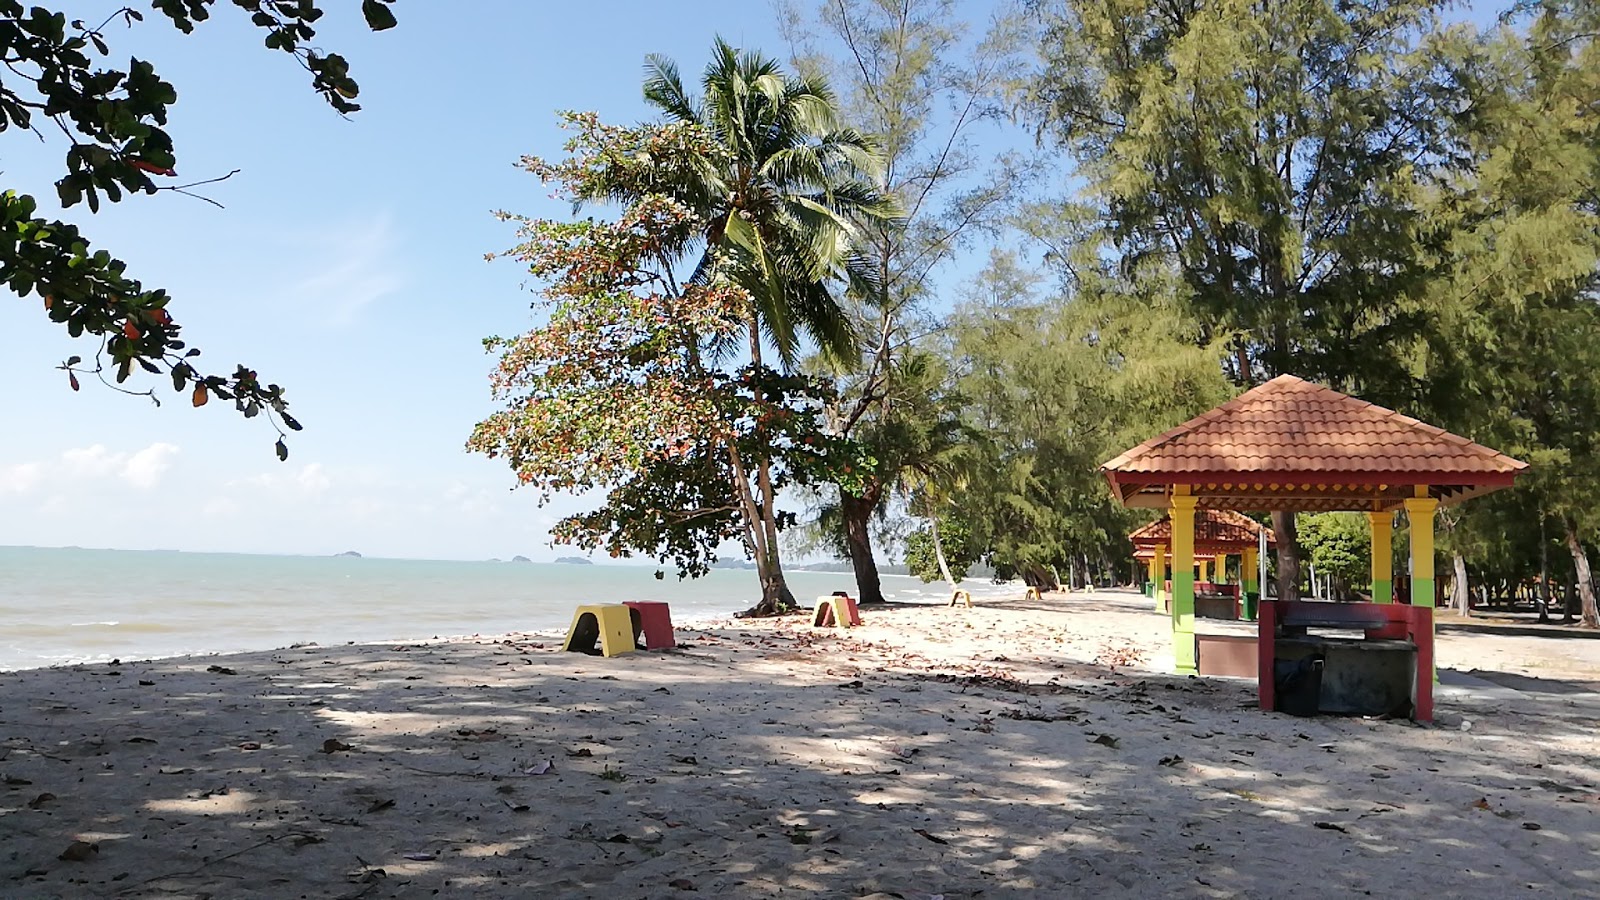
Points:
775	594
1460	594
775	589
1580	567
1544	575
1035	575
938	553
761	542
857	515
1288	536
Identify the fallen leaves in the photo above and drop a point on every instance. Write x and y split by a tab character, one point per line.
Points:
1330	826
1106	740
334	745
932	837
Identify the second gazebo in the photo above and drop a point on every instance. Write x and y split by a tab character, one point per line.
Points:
1218	534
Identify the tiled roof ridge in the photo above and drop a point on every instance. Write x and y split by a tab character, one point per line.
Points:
1204	516
1284	384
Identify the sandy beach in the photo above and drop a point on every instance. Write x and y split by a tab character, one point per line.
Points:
1018	749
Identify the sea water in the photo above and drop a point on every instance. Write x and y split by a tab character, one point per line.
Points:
72	605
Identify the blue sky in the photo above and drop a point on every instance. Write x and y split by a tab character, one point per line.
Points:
348	266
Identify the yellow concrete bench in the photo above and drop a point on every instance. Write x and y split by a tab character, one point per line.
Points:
608	624
962	597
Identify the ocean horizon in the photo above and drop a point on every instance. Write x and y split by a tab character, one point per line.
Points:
65	605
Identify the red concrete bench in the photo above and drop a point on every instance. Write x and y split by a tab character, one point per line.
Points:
1282	621
653	620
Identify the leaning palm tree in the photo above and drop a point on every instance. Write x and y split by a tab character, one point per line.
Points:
785	201
784	197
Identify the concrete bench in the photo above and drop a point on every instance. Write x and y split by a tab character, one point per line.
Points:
1397	649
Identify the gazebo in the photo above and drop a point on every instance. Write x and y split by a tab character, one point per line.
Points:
1296	446
1218	534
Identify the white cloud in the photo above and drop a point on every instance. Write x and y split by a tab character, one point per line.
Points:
360	265
20	478
311	479
91	462
145	468
142	469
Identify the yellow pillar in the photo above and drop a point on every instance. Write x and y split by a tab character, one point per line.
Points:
1249	567
1219	573
1383	556
1205	570
1419	514
1159	564
1184	650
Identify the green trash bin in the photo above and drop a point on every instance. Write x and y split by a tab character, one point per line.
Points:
1252	599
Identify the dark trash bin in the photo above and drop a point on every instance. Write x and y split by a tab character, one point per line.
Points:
1297	683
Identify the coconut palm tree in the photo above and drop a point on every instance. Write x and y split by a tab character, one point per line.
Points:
784	194
786	199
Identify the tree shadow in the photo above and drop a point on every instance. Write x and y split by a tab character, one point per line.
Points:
1536	685
752	764
1553	631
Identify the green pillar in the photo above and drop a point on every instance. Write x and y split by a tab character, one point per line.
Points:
1185	653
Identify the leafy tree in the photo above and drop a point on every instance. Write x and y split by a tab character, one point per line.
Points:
1274	159
619	389
1058	387
944	549
1340	546
780	196
914	77
1516	307
114	118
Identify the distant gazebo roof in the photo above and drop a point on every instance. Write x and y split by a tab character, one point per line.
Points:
1291	444
1215	531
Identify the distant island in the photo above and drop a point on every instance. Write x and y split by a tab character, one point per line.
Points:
521	559
349	553
574	561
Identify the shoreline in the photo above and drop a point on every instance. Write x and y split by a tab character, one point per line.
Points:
691	618
966	753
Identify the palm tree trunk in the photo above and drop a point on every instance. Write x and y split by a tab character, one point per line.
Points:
775	594
1580	566
857	515
755	537
938	554
1544	574
1288	536
1460	594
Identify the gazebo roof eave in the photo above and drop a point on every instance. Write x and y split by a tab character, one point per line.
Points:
1291	477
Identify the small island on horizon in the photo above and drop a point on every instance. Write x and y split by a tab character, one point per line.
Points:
350	553
574	561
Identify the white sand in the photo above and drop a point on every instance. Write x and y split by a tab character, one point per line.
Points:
933	752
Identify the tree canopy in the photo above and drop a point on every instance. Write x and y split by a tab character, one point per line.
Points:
61	81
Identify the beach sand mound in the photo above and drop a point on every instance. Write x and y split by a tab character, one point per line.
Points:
934	752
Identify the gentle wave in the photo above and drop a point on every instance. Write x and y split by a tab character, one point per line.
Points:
60	605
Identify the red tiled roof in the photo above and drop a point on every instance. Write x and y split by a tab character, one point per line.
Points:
1212	528
1292	428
